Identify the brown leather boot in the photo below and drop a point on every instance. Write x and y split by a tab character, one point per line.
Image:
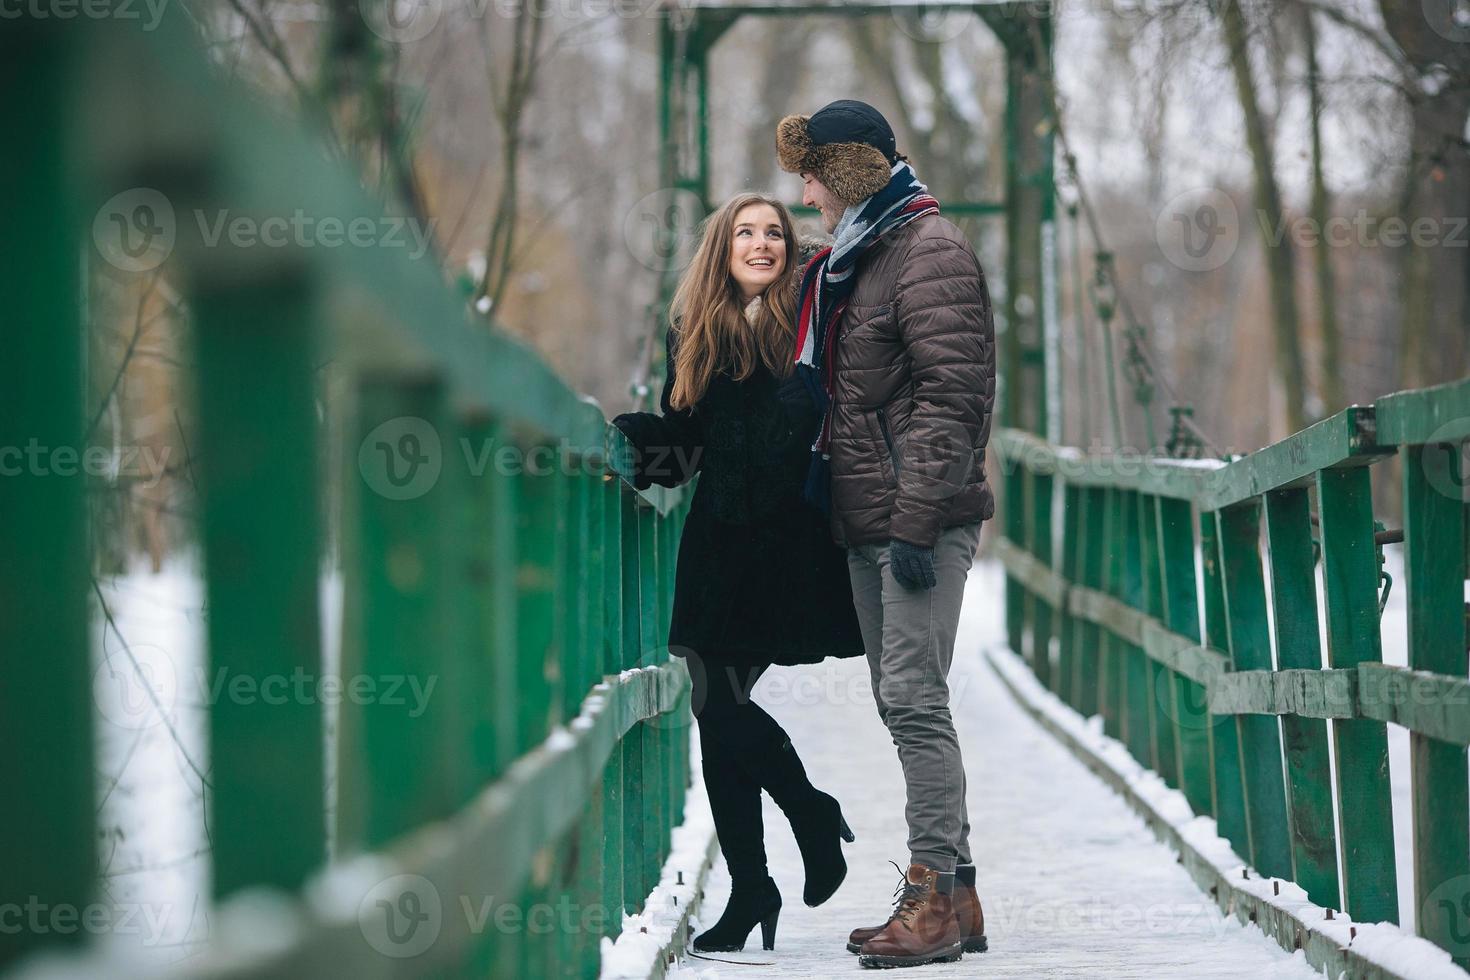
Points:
923	928
969	916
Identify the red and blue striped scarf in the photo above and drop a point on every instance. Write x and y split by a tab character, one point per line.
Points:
825	288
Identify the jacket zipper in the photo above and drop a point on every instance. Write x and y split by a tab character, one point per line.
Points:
888	439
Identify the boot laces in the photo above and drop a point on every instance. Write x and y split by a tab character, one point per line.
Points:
908	897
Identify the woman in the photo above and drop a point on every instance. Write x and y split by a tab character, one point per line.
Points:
759	580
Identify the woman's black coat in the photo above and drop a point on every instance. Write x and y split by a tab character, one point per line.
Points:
759	579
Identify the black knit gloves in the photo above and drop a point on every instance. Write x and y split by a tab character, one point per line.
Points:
913	567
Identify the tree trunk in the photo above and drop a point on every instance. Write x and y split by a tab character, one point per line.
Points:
1280	259
1435	261
1330	383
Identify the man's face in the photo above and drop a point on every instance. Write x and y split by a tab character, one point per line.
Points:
814	194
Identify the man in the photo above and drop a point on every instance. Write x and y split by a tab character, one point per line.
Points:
897	344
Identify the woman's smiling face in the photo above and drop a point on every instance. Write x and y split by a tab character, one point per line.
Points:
758	251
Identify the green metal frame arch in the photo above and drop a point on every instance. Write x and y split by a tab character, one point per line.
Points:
1028	395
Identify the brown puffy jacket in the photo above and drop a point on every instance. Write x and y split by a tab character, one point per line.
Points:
915	383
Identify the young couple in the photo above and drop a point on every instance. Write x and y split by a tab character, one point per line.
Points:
837	410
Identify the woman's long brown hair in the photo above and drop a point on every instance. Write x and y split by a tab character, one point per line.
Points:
712	331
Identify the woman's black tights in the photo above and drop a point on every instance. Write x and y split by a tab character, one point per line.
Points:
743	750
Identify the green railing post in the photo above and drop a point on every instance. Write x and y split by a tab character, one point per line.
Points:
1014	518
1181	614
1137	693
1039	543
1093	521
257	466
1112	671
404	764
46	702
1434	575
1250	649
1160	692
1064	681
1350	575
1227	784
650	621
635	881
1309	782
613	860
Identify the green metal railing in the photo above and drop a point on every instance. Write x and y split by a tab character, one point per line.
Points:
550	764
1104	599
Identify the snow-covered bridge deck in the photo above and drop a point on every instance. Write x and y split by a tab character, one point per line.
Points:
1073	882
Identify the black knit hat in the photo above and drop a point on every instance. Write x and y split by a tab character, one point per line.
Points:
846	144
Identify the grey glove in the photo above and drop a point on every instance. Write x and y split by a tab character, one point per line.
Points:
912	566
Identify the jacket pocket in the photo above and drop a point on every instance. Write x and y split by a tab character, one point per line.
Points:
887	434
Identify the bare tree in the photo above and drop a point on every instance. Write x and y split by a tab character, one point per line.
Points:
1435	278
1280	258
510	91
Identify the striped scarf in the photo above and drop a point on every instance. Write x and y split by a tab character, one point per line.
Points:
825	287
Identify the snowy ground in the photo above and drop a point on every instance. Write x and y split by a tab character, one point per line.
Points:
1072	881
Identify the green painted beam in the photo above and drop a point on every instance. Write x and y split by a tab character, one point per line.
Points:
46	702
402	766
1350	575
1250	650
1434	575
1181	620
1425	415
1033	575
255	344
1227	781
1428	704
1305	693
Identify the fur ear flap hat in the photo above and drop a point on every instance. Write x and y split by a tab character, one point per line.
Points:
847	145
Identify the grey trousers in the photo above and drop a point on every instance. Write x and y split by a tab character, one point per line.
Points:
909	639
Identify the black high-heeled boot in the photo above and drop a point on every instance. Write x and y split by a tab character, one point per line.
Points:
816	821
735	803
751	902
